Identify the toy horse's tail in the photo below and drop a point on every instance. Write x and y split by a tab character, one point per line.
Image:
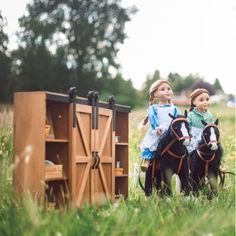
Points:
147	187
140	183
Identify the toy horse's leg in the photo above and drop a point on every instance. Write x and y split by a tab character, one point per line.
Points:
212	178
158	181
184	178
148	182
194	179
157	172
167	175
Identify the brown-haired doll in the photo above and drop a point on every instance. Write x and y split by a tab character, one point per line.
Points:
200	102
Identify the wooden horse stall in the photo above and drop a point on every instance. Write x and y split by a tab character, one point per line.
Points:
67	149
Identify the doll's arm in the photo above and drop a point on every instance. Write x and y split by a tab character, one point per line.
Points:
153	117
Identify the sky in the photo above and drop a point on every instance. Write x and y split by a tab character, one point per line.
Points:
178	36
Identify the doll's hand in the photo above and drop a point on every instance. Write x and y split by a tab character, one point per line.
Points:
159	131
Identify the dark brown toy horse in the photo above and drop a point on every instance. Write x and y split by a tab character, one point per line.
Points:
205	160
171	158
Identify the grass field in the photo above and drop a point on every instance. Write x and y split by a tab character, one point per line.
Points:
136	216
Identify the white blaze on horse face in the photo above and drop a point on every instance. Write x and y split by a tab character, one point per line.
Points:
213	140
184	131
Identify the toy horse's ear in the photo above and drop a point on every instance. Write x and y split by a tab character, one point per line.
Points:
171	116
204	122
216	122
185	113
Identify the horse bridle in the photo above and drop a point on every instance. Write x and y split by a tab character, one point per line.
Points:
167	148
200	153
210	142
176	135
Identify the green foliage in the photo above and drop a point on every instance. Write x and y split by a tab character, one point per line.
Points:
180	83
3	36
202	84
69	43
136	216
5	63
40	70
217	85
122	90
148	82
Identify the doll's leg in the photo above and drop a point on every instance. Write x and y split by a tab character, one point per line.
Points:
145	165
147	156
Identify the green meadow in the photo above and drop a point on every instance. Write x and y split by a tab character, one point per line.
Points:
136	216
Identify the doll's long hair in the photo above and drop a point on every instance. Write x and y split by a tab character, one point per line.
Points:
152	90
195	94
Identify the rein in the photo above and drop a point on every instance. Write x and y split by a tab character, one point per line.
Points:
206	161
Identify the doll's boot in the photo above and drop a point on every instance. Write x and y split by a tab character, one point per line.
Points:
145	165
222	168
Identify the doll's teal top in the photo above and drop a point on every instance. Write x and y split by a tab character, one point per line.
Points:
195	117
196	127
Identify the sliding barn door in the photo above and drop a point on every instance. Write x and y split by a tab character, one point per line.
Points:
92	162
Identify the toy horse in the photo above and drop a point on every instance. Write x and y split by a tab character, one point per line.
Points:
205	160
171	157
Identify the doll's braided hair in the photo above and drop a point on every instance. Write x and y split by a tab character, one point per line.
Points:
152	90
195	94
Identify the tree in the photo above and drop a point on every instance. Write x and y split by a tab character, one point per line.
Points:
89	33
5	64
189	80
176	82
218	86
123	91
180	83
40	70
148	82
202	84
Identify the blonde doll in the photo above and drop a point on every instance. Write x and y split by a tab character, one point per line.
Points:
158	117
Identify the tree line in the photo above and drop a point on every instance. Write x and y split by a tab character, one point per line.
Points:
73	43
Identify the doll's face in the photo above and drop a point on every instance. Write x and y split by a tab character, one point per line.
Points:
163	93
202	102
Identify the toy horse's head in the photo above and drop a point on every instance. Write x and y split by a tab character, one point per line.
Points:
179	128
211	135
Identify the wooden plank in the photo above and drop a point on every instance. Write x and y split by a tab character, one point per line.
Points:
57	140
105	136
82	156
113	167
121	144
80	122
71	162
106	159
82	159
29	142
82	186
104	183
94	186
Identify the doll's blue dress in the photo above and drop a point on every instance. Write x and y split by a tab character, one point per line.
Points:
158	117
